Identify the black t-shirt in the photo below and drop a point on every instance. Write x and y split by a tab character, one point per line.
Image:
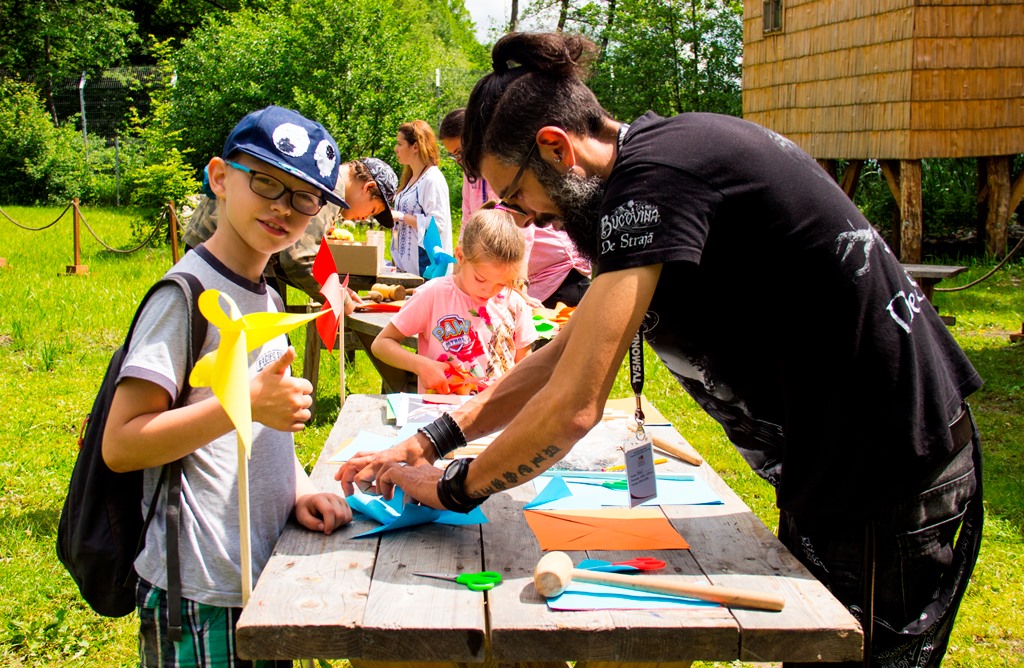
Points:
783	312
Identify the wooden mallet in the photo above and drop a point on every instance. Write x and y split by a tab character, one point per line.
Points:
555	571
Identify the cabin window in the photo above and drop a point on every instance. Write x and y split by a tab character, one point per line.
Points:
772	16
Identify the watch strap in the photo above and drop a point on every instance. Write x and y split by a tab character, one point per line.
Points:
451	488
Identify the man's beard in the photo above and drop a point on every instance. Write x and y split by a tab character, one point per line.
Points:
579	199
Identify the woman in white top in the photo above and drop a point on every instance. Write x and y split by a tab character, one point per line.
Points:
422	195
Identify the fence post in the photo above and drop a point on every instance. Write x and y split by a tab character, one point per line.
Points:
77	267
173	221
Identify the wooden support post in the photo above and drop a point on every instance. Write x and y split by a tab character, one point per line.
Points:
1016	192
891	172
829	166
910	211
3	262
851	177
77	268
172	218
997	216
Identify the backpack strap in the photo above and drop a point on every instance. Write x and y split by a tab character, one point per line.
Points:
197	325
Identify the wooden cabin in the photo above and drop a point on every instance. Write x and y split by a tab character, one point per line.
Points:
895	81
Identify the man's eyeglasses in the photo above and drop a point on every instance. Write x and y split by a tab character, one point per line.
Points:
268	187
513	187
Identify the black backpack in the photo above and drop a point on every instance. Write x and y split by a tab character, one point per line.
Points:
101	529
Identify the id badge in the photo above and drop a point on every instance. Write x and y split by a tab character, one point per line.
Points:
640	476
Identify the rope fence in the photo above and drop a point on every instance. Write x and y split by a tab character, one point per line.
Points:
78	220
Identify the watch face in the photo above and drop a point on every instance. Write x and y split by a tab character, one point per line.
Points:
453	469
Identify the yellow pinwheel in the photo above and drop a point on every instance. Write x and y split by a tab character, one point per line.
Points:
226	370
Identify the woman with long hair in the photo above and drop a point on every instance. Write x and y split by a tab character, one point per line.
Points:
422	196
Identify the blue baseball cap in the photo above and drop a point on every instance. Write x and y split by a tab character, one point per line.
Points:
286	139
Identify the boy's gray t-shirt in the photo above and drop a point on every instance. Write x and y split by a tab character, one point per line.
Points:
209	545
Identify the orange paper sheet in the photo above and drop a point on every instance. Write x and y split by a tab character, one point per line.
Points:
605	529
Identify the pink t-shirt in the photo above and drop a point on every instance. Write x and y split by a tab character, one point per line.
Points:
552	255
452	326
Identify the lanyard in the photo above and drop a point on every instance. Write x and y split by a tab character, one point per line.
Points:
636	348
636	377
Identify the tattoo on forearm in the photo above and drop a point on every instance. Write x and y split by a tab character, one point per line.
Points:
511	478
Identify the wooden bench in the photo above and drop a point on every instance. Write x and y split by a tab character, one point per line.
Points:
928	275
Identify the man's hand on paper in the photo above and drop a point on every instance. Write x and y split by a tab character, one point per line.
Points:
418	482
362	471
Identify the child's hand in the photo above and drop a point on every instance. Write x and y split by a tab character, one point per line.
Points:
352	300
432	374
280	401
322	511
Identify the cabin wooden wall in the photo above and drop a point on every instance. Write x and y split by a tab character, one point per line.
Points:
889	79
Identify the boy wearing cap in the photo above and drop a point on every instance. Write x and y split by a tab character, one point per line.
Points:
366	185
276	171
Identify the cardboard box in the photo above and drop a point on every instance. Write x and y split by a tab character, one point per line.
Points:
354	257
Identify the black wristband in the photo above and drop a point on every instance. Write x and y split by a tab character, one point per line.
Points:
444	434
451	488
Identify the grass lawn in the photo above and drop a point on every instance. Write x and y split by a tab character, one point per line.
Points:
57	333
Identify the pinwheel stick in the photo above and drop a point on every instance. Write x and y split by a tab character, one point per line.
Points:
244	533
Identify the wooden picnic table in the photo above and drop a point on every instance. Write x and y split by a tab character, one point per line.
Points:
928	275
340	597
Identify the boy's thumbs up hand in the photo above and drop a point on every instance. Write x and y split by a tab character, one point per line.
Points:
279	400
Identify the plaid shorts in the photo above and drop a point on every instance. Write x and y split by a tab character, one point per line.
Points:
207	634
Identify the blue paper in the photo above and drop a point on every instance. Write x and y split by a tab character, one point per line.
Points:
396	514
673	490
366	441
438	259
590	596
603	566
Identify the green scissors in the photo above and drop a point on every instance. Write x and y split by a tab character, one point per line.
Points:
481	581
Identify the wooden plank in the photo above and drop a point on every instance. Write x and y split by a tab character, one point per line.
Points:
966	143
310	599
968	21
998	83
440	621
978	52
522	624
829	633
967	114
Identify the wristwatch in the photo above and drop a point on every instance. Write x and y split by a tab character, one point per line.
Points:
451	487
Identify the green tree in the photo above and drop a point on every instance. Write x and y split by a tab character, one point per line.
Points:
44	41
157	170
39	162
671	57
361	67
668	56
